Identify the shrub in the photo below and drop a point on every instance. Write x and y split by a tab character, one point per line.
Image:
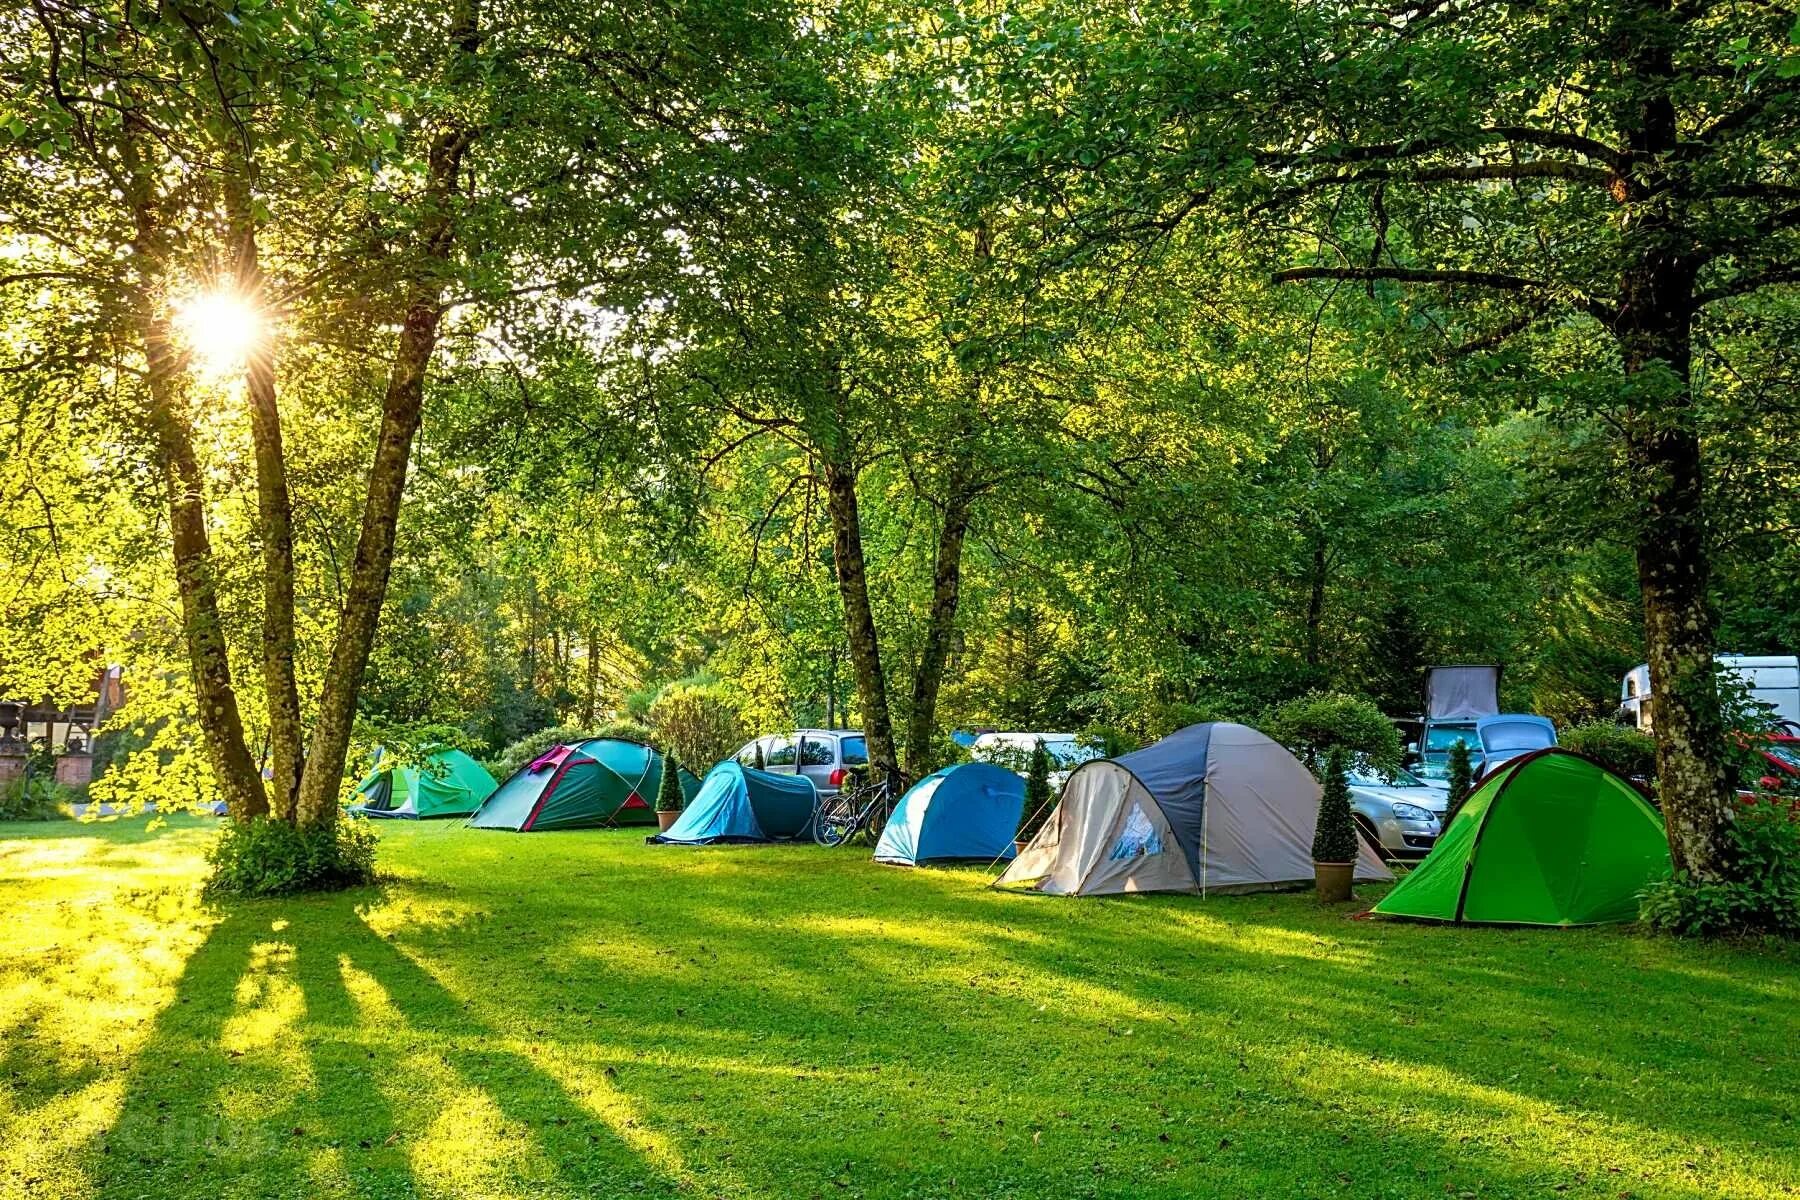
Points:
1334	839
1619	748
1762	895
260	857
668	791
697	722
1315	723
531	746
36	798
1462	780
628	730
1038	800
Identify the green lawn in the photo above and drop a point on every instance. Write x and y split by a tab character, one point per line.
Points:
584	1015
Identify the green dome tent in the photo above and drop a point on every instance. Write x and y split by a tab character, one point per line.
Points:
450	784
1551	838
600	782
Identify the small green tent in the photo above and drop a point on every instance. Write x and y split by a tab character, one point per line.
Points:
449	784
599	782
1551	838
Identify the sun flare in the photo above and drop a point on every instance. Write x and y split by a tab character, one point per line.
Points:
220	328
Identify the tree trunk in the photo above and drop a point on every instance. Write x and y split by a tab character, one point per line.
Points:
1654	328
275	518
221	725
591	708
940	629
859	617
367	588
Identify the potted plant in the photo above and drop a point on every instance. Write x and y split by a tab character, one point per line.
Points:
1334	840
669	800
1037	798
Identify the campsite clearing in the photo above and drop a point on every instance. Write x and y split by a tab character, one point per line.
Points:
580	1014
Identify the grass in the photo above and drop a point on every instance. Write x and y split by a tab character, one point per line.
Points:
583	1015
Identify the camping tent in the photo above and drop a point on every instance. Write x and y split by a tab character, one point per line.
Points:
741	804
603	781
449	784
969	811
1551	838
1210	808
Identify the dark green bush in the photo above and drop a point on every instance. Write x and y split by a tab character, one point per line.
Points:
1313	724
1334	839
37	798
260	857
1619	748
1038	800
1761	897
1462	780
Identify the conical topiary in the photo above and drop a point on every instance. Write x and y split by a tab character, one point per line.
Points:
760	764
668	791
1037	793
1334	840
1462	780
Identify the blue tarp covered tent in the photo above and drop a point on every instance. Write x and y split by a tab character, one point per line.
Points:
740	804
969	811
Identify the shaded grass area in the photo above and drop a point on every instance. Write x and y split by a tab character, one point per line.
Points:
582	1015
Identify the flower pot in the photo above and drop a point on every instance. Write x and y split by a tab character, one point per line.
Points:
666	819
1333	881
1019	846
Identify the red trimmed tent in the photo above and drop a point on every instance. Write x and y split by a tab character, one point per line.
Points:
598	783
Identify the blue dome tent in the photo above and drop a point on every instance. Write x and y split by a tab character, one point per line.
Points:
969	811
740	804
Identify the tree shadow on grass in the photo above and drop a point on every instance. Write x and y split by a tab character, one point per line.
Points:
303	1055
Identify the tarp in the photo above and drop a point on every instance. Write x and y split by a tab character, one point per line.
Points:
1462	693
1216	807
969	811
599	782
736	803
1551	838
448	784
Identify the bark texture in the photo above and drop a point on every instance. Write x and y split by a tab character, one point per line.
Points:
859	616
940	628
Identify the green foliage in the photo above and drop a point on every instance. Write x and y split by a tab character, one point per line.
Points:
527	749
1318	722
1762	895
1619	748
1038	800
698	722
1461	777
272	858
34	798
1335	837
668	789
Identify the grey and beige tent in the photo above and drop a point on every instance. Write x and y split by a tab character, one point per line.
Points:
1214	808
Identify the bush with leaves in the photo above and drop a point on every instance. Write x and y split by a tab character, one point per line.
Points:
1462	780
698	722
1038	800
34	798
1313	724
260	857
1334	838
1619	748
668	788
1761	897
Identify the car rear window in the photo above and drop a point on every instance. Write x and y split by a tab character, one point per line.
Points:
855	751
1517	735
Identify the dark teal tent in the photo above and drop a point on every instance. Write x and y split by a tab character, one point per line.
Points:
740	804
601	782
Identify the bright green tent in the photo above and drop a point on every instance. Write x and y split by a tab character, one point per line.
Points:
1551	838
599	782
448	784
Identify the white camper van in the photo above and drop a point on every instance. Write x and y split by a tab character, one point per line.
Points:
1773	679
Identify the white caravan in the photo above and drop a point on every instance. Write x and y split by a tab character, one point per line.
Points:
1774	679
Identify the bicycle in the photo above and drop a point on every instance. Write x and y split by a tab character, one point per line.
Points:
860	811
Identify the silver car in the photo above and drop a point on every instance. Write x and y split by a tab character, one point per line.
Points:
1399	813
825	756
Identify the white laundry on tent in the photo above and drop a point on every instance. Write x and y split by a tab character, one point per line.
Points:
1211	808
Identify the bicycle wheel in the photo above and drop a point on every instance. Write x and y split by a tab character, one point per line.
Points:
835	821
